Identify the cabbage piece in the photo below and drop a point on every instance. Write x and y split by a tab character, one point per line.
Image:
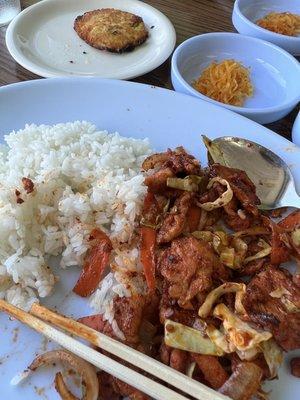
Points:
219	339
240	334
185	338
207	236
227	257
238	305
248	355
219	240
273	356
221	201
190	183
215	294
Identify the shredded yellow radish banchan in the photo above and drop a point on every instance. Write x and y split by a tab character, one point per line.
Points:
227	81
284	23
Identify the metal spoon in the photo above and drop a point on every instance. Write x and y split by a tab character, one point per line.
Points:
274	181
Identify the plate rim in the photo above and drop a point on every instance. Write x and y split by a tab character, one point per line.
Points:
45	72
108	81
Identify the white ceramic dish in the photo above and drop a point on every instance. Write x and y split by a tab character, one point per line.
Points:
42	40
247	12
274	73
169	119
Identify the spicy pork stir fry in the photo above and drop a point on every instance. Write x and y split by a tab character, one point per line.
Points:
219	305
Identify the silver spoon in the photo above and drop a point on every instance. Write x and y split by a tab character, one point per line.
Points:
273	179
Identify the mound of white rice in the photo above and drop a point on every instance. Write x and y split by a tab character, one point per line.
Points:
83	178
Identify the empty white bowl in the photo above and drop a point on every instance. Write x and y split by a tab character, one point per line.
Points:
274	73
247	12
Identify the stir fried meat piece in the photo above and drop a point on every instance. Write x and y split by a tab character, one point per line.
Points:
174	222
187	265
128	313
291	222
107	392
295	366
169	309
114	389
280	252
235	219
175	358
126	390
244	382
177	162
272	301
99	324
212	370
253	267
179	360
242	187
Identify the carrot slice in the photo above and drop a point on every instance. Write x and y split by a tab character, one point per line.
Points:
193	218
95	263
147	249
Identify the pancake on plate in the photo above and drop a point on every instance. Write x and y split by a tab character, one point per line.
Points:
110	29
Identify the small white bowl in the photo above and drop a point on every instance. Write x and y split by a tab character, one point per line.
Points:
274	73
247	12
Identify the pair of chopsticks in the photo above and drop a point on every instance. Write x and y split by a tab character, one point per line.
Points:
36	320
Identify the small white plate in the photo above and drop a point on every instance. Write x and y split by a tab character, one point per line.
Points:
42	40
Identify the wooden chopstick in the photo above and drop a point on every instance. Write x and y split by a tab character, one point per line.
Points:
126	353
133	378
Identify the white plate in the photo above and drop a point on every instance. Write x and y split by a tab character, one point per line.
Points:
169	119
42	40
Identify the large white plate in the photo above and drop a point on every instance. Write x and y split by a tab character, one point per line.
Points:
169	119
42	39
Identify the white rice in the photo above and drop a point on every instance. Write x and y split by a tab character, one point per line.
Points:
83	178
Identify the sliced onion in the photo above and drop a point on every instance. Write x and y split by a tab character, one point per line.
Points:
267	249
221	201
83	368
62	389
243	383
256	230
214	295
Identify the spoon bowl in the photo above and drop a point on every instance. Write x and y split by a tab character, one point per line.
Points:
273	179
